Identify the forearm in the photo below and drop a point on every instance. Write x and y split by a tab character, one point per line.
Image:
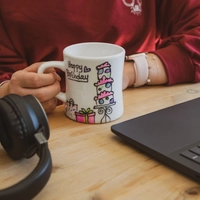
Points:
156	72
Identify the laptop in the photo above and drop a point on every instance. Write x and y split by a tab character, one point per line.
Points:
170	135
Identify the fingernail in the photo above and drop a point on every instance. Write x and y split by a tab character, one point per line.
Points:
57	77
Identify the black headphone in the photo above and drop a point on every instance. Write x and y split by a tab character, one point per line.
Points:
24	131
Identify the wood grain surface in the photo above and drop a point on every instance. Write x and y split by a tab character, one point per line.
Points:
91	163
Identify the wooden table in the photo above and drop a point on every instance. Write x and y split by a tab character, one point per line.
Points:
91	163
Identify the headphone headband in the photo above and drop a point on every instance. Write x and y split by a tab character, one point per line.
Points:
34	182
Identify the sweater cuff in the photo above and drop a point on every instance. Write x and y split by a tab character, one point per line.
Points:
177	63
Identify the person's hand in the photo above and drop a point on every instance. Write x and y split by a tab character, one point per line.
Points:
43	86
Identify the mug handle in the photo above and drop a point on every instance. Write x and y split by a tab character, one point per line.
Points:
58	64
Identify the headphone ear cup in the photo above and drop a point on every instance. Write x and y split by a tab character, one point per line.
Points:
18	124
13	130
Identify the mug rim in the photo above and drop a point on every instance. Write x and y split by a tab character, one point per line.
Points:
66	50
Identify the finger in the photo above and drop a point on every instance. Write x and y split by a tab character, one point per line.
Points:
44	94
34	68
57	77
33	80
49	105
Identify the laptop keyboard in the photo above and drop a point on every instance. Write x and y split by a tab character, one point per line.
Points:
192	154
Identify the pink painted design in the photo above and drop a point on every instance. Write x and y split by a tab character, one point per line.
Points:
106	64
90	119
85	116
103	95
103	81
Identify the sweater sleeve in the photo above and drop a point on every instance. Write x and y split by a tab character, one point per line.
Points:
10	60
178	46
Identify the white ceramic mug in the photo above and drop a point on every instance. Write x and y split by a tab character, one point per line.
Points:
93	80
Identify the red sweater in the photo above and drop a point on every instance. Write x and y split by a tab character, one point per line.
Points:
33	31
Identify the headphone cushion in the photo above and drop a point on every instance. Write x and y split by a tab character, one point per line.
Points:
16	126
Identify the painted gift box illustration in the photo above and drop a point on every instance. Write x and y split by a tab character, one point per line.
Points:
85	116
71	108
